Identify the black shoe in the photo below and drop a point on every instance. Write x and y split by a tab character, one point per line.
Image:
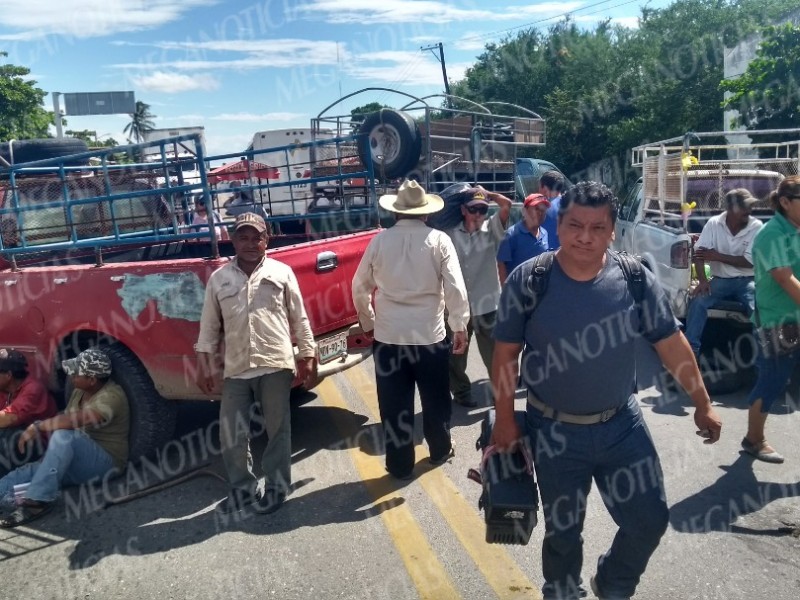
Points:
600	595
403	476
273	499
465	401
238	500
443	459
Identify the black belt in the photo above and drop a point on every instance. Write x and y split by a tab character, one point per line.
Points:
565	417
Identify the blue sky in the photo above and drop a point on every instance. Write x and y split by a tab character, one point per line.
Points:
240	66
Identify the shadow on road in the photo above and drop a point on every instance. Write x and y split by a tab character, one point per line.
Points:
736	494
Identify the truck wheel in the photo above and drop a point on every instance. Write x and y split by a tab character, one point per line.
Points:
392	139
152	417
30	150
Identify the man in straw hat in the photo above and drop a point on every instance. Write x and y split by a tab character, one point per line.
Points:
415	274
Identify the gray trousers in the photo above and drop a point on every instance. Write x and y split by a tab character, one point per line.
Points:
481	326
239	398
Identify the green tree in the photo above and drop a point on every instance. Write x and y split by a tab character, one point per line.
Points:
767	94
22	115
358	114
141	122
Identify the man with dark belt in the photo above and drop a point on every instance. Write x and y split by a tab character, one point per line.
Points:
583	420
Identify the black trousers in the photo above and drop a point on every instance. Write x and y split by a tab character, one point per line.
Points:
397	369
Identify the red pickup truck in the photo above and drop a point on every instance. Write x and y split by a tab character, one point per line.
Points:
104	255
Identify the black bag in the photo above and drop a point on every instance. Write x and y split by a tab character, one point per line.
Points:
781	340
510	499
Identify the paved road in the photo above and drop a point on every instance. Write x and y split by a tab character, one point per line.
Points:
348	531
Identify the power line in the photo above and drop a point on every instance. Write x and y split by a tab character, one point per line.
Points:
544	20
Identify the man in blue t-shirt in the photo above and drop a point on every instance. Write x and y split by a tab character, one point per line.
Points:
551	186
583	420
525	239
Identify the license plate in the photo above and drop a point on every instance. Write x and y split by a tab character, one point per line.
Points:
332	347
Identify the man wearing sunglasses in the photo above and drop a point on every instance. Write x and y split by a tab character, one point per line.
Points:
476	240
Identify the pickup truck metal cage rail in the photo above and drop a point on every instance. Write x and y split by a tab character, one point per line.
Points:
438	145
46	206
698	167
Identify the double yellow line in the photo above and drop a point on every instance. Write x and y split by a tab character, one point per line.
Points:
424	567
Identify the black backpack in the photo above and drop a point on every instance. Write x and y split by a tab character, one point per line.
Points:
538	280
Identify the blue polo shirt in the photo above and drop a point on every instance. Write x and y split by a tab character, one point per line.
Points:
520	245
551	223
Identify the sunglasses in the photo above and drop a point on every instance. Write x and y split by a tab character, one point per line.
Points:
478	210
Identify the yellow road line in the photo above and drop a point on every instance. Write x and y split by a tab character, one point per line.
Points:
495	563
423	566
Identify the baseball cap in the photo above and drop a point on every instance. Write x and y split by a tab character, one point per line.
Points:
740	197
12	360
91	363
477	198
250	219
536	200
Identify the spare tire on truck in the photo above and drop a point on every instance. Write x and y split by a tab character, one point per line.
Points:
393	141
153	418
22	151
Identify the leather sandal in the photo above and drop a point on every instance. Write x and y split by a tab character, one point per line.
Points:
759	451
27	512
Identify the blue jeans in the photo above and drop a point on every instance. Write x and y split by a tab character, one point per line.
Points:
72	458
239	397
620	457
774	373
741	289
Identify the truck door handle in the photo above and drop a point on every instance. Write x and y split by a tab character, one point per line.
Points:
327	261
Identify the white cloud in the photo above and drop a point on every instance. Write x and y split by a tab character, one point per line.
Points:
246	117
423	11
471	41
259	54
402	68
34	19
174	83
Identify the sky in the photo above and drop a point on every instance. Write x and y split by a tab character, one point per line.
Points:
241	66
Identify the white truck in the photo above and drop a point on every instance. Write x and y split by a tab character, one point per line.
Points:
684	181
290	162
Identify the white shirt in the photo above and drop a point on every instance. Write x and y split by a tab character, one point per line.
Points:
717	236
414	272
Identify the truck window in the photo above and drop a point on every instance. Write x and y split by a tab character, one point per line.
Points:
630	206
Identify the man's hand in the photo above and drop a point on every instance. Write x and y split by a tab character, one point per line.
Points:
703	289
707	254
305	370
30	434
708	423
369	335
506	434
206	377
459	342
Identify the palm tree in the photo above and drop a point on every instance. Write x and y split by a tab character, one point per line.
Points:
141	122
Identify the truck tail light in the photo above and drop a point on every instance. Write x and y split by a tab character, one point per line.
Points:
679	255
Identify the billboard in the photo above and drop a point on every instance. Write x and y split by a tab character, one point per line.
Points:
99	103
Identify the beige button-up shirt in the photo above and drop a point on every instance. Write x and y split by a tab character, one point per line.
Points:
255	317
414	272
477	255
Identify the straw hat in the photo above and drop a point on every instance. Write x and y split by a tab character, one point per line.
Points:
411	199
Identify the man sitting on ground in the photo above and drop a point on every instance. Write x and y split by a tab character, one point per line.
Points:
86	442
23	400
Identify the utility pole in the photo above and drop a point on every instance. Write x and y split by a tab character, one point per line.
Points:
444	66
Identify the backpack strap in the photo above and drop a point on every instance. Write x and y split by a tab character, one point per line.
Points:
536	284
633	271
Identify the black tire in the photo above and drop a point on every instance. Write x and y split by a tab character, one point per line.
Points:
152	417
30	150
393	140
726	357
